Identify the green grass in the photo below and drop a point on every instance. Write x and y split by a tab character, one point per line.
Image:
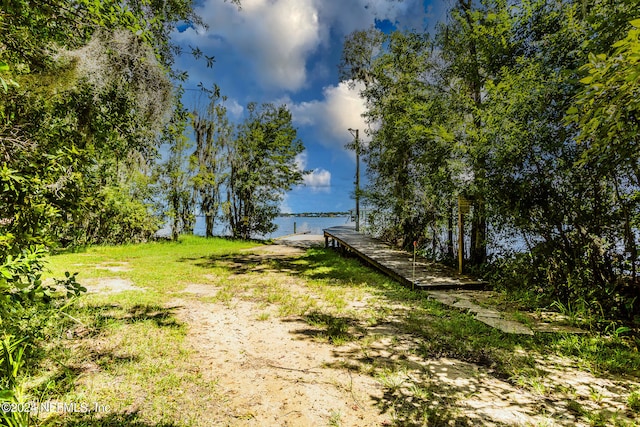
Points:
336	330
130	342
334	419
633	401
159	267
130	339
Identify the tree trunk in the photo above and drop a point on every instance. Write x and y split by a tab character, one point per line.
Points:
629	235
209	222
478	250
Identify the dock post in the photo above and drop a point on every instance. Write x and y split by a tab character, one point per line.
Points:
460	242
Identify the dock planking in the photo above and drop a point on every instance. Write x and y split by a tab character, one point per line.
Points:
429	276
398	264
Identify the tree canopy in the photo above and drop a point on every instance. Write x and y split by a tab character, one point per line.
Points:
262	168
87	94
530	112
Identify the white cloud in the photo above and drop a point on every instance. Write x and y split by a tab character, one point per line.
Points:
234	108
344	17
274	37
318	180
284	205
301	161
340	109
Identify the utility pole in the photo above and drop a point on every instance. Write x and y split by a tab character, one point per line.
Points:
357	147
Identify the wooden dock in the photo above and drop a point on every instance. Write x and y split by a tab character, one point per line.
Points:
426	275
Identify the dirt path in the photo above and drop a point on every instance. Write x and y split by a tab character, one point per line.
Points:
270	376
268	344
268	371
271	371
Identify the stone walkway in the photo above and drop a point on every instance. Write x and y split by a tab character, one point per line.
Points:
492	317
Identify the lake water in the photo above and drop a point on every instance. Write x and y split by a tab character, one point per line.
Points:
313	225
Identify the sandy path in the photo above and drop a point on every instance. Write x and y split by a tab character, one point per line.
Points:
273	372
271	375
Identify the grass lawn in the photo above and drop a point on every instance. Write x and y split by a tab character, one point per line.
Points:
125	348
120	344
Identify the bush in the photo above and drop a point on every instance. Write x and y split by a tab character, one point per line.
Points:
114	217
26	303
576	276
11	362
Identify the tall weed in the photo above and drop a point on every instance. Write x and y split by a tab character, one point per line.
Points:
14	410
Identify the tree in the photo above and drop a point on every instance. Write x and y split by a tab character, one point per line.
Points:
93	94
85	92
262	168
359	51
425	100
607	107
564	202
607	111
408	160
173	176
482	112
475	45
213	134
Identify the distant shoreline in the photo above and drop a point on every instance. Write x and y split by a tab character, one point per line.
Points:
315	214
306	214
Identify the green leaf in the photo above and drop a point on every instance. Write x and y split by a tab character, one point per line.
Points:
6	395
586	80
633	76
636	23
4	66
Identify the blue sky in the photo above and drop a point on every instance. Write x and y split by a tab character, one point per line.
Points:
287	52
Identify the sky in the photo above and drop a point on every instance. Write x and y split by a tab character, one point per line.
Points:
287	52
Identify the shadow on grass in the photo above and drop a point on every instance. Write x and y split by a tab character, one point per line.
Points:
236	263
104	315
335	329
419	334
447	329
431	408
163	317
93	419
62	380
434	391
77	249
65	372
315	264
